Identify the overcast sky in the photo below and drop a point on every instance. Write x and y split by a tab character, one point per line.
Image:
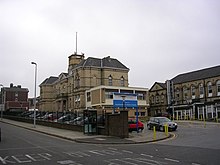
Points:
155	39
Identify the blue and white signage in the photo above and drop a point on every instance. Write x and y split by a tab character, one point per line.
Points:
125	100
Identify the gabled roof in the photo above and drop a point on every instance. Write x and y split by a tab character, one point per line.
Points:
106	62
62	76
197	75
49	80
162	85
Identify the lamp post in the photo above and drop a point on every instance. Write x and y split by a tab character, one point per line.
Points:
3	103
35	86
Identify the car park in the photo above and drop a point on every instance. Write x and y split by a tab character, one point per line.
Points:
132	125
160	123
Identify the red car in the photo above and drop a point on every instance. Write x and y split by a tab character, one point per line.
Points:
132	125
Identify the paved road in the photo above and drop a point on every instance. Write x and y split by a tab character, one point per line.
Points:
21	146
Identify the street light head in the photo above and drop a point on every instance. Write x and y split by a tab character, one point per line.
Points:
34	63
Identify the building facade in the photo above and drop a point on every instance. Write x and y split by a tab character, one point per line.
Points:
190	95
101	98
67	92
14	98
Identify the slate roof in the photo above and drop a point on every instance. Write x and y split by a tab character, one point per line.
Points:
197	75
163	85
106	62
49	80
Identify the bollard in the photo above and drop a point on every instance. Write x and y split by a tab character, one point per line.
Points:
204	123
154	136
166	129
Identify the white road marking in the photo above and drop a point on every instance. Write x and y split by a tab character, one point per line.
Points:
77	154
147	155
172	160
126	151
97	153
115	149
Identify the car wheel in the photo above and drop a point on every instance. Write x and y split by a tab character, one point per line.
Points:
149	127
161	128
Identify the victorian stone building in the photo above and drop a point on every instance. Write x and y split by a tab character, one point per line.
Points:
69	91
190	95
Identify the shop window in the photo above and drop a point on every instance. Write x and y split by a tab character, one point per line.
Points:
143	113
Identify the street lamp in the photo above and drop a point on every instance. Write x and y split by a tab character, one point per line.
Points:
35	86
3	105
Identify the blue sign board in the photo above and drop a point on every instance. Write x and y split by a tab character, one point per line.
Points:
125	100
125	103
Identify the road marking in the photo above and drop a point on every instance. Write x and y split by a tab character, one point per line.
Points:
77	154
134	161
172	160
126	151
97	153
196	164
115	149
27	158
152	161
147	155
68	162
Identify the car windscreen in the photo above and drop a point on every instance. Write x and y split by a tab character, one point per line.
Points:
163	120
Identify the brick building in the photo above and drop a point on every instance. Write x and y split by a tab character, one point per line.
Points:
15	98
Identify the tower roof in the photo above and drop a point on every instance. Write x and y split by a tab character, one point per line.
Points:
106	62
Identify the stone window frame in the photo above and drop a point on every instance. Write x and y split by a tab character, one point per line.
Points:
209	88
218	87
201	90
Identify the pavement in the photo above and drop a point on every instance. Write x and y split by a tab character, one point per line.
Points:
146	136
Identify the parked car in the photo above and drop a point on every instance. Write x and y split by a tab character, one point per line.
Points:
160	122
132	125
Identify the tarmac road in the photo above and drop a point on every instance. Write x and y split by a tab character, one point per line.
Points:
22	146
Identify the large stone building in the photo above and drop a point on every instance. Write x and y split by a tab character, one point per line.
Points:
68	91
190	95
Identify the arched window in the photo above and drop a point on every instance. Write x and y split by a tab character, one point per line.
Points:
193	92
77	78
162	98
110	80
177	94
122	81
185	93
152	99
218	87
201	90
209	85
